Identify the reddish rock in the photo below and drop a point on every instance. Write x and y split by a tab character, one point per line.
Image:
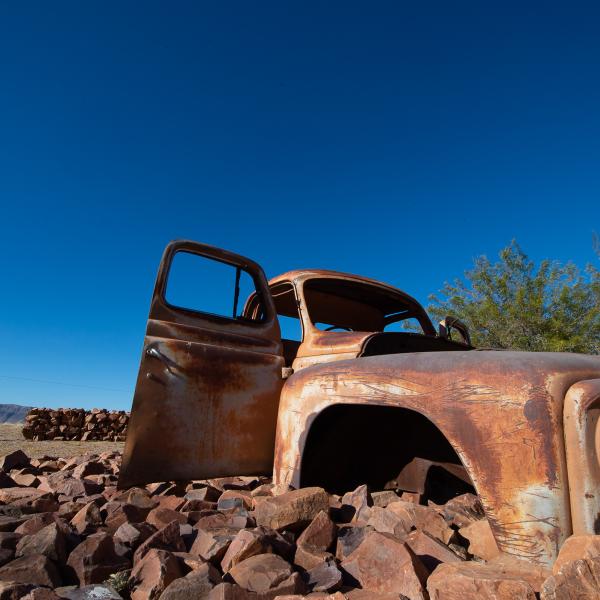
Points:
212	544
9	523
89	467
132	535
63	483
231	591
476	581
94	559
308	557
68	510
25	479
246	543
292	510
359	500
15	460
326	577
481	539
118	513
49	541
9	539
349	539
575	580
575	548
463	510
162	516
386	521
196	584
34	569
382	499
430	551
153	573
261	573
172	502
167	538
422	517
384	564
231	499
35	523
320	534
87	519
137	497
533	574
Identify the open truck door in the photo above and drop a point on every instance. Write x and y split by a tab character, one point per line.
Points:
207	392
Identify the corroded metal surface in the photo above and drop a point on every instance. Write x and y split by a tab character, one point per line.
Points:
582	441
207	392
501	411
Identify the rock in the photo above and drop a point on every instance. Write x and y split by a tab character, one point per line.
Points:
63	483
35	523
261	573
94	559
15	460
320	534
89	467
424	518
25	479
324	578
575	548
463	510
11	523
481	539
231	591
231	499
533	574
138	497
6	481
430	551
576	580
49	541
245	544
196	584
310	558
476	581
118	513
153	573
34	569
382	499
162	516
87	519
92	592
28	500
386	521
349	539
167	538
292	510
10	590
359	500
132	535
384	564
212	544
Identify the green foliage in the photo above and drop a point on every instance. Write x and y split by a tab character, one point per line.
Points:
512	303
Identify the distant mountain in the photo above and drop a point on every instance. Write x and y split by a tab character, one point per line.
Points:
13	413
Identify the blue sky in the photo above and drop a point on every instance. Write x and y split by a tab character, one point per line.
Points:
397	140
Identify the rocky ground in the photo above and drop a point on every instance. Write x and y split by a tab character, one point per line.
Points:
67	532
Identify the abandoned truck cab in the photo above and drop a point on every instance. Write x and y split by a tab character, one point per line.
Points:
357	399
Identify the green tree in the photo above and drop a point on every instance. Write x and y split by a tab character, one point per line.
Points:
512	303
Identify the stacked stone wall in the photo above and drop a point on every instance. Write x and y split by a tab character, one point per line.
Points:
75	424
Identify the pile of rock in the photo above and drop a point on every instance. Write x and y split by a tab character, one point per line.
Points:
76	424
67	532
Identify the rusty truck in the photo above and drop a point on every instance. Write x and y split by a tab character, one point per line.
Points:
358	398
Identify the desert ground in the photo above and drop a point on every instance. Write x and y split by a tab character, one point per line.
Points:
11	440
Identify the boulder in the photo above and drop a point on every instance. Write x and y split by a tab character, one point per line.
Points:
481	539
167	538
153	573
575	580
293	510
87	519
14	460
212	544
261	573
49	541
94	559
476	581
197	584
577	547
384	564
245	544
162	516
33	569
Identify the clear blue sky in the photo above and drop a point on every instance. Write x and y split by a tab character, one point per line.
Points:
397	140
